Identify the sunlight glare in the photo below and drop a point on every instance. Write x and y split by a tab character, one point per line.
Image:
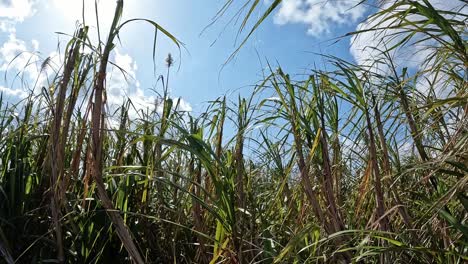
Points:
73	10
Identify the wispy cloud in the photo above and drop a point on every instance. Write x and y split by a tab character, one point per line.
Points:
123	83
17	55
122	79
22	63
367	47
13	92
21	60
16	10
320	16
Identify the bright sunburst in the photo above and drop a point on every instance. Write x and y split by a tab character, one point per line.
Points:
73	10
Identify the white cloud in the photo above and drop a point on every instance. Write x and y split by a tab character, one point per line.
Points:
16	56
11	48
367	47
13	92
182	104
22	64
121	79
122	83
319	15
439	82
16	10
35	44
7	26
143	102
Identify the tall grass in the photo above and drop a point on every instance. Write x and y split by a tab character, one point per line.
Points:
342	166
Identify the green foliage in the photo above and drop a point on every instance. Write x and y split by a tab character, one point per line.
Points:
345	166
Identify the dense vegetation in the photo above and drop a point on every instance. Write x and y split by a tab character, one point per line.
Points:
347	165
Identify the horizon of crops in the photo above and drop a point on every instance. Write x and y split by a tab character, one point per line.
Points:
349	165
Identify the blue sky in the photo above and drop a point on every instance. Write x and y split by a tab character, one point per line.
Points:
284	38
289	37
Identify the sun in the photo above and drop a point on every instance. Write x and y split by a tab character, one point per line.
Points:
73	10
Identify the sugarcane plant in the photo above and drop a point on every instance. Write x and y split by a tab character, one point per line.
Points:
347	165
